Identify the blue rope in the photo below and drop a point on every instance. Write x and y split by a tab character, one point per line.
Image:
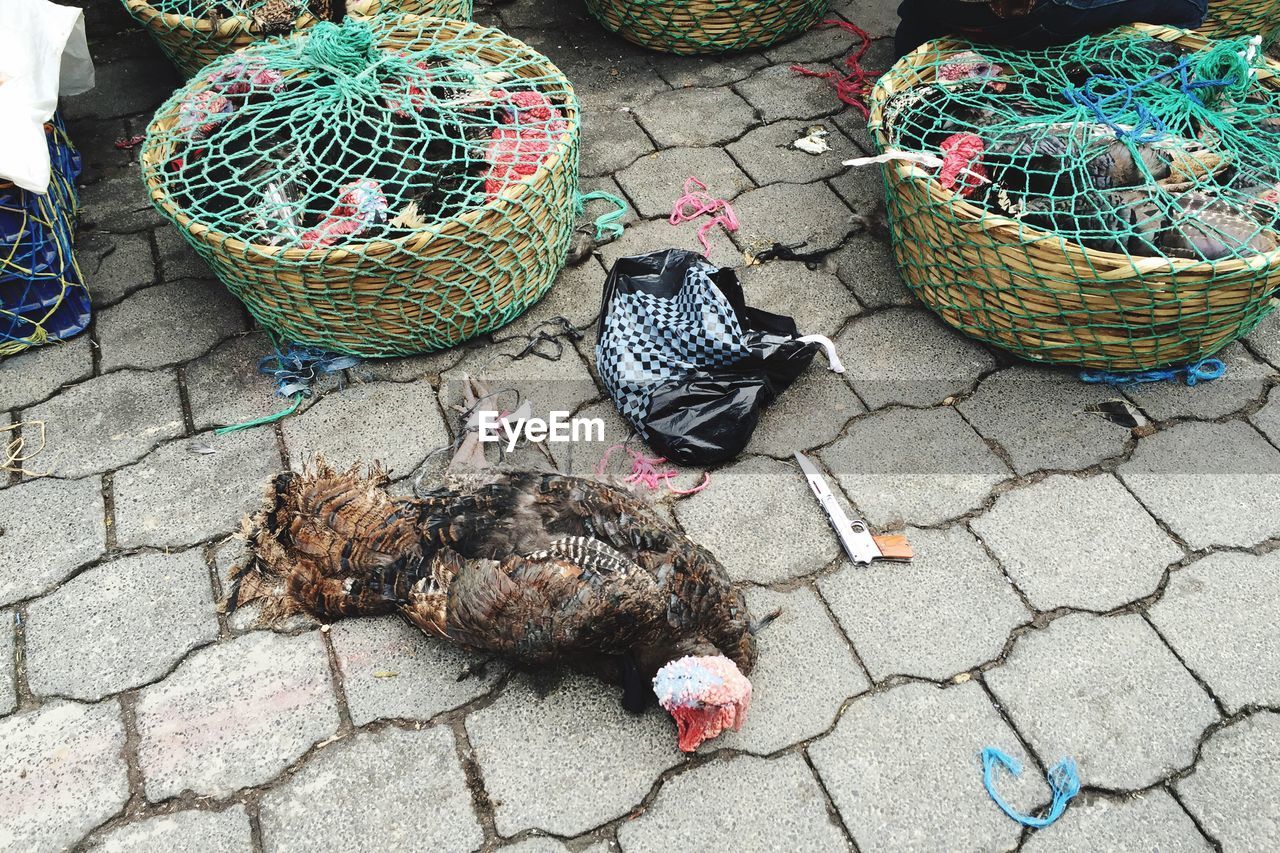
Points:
1064	781
296	367
1205	370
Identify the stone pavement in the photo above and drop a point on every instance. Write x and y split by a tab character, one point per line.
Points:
1078	591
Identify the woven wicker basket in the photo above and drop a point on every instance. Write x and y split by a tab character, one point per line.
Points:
437	287
192	43
1232	18
1048	299
707	26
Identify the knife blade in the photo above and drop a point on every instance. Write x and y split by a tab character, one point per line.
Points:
854	536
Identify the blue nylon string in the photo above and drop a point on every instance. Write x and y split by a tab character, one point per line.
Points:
1064	781
295	367
1205	370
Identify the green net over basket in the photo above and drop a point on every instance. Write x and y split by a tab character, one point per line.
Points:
1111	203
707	26
193	33
1228	18
375	190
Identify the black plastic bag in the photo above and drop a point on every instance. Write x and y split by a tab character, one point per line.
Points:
686	361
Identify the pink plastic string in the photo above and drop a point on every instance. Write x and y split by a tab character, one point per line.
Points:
853	86
696	202
645	472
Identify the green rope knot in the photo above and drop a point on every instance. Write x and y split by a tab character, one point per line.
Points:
347	49
1230	69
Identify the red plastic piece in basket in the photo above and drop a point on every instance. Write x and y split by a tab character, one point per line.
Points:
960	155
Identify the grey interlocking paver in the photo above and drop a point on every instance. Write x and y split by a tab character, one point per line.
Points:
1106	692
655	181
545	769
8	686
876	19
777	92
1070	542
657	235
915	466
177	259
1265	339
801	654
938	364
214	479
48	529
611	140
395	424
392	670
124	87
35	374
819	43
1206	496
225	387
118	204
768	155
896	614
143	330
688	71
1150	821
362	811
119	625
1040	418
815	299
1246	380
62	772
191	831
234	714
792	213
744	804
792	539
575	296
721	115
115	265
865	263
1221	615
1267	419
1233	789
862	189
903	767
107	421
811	413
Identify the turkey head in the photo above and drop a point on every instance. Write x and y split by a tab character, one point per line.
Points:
706	695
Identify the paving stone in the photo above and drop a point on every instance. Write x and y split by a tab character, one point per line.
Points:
1266	419
655	181
35	374
684	72
777	93
744	804
124	87
1206	497
235	714
914	466
142	332
816	300
768	155
790	540
614	74
938	364
865	264
545	769
118	204
392	670
1221	614
225	387
374	787
190	831
792	213
59	522
818	43
1151	821
119	625
611	140
1246	380
62	773
1094	547
107	421
878	20
216	490
115	265
177	259
721	116
913	751
657	235
397	425
581	458
801	654
96	142
863	190
1038	415
811	413
1106	692
1233	789
8	683
895	613
1265	339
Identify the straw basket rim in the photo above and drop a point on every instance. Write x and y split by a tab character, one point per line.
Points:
969	214
153	159
620	16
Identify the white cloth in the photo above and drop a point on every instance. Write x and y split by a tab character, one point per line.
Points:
43	53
